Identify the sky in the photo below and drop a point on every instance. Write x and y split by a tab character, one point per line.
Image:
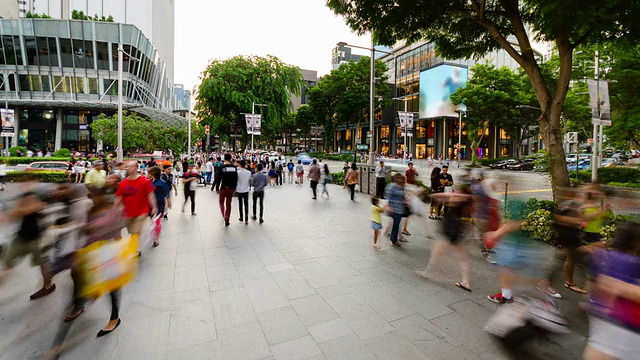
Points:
299	32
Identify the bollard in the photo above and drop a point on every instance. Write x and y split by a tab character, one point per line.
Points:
506	194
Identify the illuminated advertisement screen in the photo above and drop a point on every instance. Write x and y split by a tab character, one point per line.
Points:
436	86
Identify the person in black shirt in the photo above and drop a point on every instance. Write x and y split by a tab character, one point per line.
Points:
25	242
151	163
446	179
228	182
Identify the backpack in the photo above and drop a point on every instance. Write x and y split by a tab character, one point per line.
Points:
290	166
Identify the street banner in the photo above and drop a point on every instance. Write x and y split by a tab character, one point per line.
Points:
8	123
409	125
249	120
593	98
402	116
605	105
599	95
257	123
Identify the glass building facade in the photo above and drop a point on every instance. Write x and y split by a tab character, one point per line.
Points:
60	74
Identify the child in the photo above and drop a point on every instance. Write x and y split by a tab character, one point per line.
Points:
272	176
376	222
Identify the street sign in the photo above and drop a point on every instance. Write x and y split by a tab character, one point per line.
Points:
601	122
207	129
346	152
362	147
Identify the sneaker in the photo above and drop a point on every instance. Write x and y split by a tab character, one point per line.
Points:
377	247
550	292
261	221
498	299
193	214
489	258
165	217
254	218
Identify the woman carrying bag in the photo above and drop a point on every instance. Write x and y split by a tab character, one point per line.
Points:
353	177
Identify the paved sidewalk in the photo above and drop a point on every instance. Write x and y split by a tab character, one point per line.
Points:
305	284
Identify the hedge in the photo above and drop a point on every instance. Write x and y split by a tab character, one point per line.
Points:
13	151
42	176
14	160
619	175
338	178
487	162
334	157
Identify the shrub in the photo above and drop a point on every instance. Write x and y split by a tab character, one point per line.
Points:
539	225
62	153
487	162
42	176
13	151
618	174
534	204
628	185
338	178
12	161
541	162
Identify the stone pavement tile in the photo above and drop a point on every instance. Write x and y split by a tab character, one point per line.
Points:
159	256
472	312
316	251
460	353
252	271
336	267
144	304
214	257
308	265
300	348
313	310
292	284
319	278
265	295
394	346
286	246
146	338
355	280
279	267
190	277
298	257
162	278
380	276
417	300
192	323
348	347
244	256
281	325
190	295
448	297
425	335
472	336
206	351
225	284
193	258
221	272
231	307
365	264
272	258
330	291
496	354
379	300
365	322
329	330
245	342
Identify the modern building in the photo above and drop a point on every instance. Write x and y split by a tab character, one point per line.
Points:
182	97
155	18
310	78
9	9
342	54
421	82
59	75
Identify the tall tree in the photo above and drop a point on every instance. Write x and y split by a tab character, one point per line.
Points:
342	96
463	29
229	87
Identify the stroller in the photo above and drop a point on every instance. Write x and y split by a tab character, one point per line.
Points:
533	316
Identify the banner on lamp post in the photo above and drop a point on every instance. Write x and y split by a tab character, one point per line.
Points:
257	124
402	116
8	123
605	105
248	118
599	102
409	125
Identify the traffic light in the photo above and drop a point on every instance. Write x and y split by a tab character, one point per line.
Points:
207	129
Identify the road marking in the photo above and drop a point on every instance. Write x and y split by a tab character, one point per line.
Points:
529	191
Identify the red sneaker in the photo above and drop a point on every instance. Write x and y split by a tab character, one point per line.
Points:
498	299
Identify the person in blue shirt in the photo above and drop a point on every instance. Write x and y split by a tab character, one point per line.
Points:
162	193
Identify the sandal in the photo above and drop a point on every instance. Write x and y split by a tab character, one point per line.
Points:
574	287
406	233
461	286
74	315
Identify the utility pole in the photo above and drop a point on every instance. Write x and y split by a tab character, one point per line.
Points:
594	148
119	153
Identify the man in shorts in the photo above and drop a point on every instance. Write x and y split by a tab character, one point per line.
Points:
135	193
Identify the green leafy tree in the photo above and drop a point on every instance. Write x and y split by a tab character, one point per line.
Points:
342	96
463	29
229	87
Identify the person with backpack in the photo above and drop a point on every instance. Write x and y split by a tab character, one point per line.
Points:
290	167
299	172
217	174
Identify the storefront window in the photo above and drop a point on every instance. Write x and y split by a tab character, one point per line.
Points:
384	131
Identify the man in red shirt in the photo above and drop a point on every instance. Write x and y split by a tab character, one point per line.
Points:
135	193
411	174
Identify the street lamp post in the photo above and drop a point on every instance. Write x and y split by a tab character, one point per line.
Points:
253	112
119	153
461	108
406	130
594	149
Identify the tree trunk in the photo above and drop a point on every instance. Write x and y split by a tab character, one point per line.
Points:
633	139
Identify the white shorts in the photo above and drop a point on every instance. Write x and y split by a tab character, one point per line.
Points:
613	340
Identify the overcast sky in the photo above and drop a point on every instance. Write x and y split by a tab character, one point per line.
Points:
299	32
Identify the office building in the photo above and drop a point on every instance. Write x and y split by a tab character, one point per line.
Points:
182	97
9	9
310	79
59	75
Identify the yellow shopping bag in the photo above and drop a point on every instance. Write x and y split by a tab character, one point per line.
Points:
107	265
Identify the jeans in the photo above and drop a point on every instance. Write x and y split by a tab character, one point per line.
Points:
352	189
397	218
190	194
314	185
279	177
258	195
208	177
380	184
324	187
225	203
243	198
217	179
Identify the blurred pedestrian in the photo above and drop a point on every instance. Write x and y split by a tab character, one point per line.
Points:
208	171
242	190
326	180
97	176
135	193
3	174
162	192
352	179
376	221
314	177
190	182
290	167
396	201
436	187
259	182
228	183
381	179
299	172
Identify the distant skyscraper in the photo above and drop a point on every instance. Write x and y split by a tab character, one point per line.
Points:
183	97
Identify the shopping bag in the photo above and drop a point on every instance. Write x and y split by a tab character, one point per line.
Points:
107	265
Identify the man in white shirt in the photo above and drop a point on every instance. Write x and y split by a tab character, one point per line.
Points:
208	171
242	190
381	180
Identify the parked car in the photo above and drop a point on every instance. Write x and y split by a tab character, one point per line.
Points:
582	165
499	165
526	164
635	153
306	159
61	166
609	162
620	156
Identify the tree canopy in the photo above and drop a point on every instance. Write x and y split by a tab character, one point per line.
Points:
342	96
140	134
464	29
229	87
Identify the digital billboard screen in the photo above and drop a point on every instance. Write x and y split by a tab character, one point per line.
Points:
436	86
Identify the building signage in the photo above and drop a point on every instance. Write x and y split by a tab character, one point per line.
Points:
8	123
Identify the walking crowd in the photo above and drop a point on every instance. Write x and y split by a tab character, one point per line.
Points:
80	228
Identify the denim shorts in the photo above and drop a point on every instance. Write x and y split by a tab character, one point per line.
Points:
376	226
530	259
